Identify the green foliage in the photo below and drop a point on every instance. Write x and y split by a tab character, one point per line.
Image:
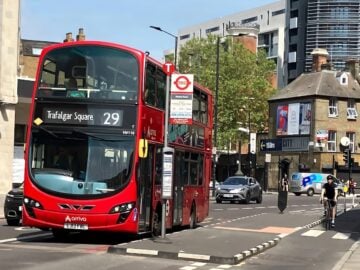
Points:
244	83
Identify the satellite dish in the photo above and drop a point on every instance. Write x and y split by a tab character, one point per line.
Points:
345	141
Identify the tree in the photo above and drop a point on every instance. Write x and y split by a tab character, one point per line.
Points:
242	75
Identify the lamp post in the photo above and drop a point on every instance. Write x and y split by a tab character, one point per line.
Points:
249	145
175	37
216	111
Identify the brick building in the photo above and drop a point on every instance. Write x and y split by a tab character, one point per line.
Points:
307	120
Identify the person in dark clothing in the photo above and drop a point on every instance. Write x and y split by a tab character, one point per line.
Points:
352	186
329	192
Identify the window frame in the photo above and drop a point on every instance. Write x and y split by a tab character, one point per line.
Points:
352	137
351	109
331	143
333	110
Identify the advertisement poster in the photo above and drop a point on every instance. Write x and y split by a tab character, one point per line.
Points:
305	118
293	119
282	120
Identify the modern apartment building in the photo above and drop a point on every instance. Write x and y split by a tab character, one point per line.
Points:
269	19
329	24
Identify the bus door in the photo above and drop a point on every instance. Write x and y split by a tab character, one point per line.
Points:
144	189
178	188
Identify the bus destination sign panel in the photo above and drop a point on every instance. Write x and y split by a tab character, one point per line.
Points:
79	116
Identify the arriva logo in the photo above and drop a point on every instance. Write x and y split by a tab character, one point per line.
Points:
75	219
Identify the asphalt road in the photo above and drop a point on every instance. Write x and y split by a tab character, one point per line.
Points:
26	248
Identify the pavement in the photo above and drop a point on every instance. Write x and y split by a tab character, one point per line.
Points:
199	246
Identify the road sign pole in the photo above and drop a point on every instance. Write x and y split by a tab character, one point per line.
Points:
163	215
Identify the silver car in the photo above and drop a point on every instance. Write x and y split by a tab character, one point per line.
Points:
239	188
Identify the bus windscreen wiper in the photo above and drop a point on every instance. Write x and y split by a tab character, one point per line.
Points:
49	132
93	136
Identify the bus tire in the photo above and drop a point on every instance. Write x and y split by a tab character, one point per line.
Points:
156	224
192	219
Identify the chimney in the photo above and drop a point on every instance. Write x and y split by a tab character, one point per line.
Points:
81	35
352	65
319	59
246	34
68	37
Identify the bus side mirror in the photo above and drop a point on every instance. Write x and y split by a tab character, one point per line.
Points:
143	148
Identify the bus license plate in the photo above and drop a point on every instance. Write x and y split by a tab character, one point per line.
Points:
73	226
228	195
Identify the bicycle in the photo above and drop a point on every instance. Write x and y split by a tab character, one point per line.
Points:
328	217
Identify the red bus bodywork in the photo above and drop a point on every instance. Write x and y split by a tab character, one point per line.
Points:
56	199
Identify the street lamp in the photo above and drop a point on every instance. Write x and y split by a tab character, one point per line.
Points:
175	37
216	109
249	146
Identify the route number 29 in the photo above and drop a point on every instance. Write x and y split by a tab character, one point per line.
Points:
112	119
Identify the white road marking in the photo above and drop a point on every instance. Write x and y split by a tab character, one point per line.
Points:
341	236
198	264
313	233
188	268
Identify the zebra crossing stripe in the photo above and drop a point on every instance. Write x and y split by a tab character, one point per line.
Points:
313	233
341	236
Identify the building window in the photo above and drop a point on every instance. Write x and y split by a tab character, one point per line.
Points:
351	136
213	29
331	141
278	12
249	20
184	36
351	110
20	131
333	109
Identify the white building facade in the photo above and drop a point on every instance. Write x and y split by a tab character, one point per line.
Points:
9	44
271	21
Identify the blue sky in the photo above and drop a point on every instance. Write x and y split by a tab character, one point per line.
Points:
123	21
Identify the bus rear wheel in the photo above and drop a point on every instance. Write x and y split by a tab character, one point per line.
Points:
156	226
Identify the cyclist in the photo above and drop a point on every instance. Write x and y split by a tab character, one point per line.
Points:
329	192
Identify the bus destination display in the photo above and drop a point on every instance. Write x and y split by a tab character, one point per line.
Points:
89	117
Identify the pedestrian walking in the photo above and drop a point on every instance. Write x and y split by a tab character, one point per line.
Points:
352	185
284	183
283	193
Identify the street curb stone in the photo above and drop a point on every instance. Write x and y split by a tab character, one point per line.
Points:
196	257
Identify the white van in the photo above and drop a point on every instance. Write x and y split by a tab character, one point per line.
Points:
310	183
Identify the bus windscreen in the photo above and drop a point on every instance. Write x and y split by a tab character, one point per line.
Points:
89	72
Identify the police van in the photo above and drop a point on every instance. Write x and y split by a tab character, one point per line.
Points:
311	183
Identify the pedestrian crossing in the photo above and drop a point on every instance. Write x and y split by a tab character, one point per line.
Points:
314	233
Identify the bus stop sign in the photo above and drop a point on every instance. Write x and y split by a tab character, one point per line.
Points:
168	68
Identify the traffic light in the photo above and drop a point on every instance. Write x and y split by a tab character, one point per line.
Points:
346	156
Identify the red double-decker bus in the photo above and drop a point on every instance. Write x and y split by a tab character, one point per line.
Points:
94	151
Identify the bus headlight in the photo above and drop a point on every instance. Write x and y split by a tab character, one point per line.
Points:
123	209
30	204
